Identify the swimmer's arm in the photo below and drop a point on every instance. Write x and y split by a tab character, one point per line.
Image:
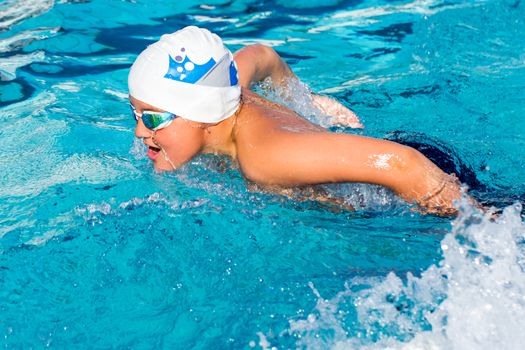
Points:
258	62
313	158
340	114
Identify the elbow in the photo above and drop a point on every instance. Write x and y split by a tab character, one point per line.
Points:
398	170
255	63
398	163
265	56
413	174
268	63
257	52
407	159
261	49
409	166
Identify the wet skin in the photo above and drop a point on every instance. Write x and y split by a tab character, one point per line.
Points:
275	146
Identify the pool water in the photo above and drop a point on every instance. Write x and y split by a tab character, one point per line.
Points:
99	251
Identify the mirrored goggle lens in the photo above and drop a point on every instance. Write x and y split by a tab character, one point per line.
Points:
156	120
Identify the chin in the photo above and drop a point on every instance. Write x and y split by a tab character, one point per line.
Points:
161	167
161	164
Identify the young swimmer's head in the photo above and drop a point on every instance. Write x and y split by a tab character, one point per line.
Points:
192	75
189	73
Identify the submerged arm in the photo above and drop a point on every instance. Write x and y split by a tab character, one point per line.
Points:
257	62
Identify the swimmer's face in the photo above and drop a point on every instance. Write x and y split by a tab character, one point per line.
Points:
181	140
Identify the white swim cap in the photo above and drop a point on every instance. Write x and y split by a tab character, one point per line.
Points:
188	73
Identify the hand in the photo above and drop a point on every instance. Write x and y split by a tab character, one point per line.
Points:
340	114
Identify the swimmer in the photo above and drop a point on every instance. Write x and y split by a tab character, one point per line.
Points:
190	95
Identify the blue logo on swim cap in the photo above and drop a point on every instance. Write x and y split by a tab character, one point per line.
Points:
234	79
186	71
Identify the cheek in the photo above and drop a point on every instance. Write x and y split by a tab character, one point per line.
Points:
181	144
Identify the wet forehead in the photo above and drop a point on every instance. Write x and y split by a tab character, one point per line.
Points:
143	106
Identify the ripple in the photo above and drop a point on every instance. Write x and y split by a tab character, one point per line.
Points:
32	106
23	39
10	64
32	161
366	16
15	11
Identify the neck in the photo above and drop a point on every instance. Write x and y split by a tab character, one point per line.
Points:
219	138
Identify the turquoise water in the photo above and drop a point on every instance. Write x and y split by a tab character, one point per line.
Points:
99	251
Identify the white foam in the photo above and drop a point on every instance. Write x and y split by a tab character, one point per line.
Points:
10	64
94	213
375	80
14	11
369	15
30	107
245	42
254	17
69	86
139	150
209	19
473	299
25	37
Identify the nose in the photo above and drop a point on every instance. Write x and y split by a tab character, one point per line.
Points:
141	131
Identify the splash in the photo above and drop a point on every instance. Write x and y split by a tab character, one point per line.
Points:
138	149
295	95
473	299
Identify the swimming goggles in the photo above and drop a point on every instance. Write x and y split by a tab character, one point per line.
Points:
153	120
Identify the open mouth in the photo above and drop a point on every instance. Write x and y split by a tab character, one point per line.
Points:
153	152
